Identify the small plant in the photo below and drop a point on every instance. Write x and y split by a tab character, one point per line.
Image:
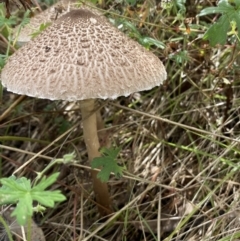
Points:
42	27
6	22
147	42
108	163
6	29
62	124
25	3
226	25
19	191
22	193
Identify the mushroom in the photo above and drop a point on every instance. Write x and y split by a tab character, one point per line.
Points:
46	17
81	56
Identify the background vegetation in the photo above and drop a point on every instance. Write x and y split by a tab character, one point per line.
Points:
179	142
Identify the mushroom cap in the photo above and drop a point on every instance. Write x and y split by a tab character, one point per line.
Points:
82	56
45	17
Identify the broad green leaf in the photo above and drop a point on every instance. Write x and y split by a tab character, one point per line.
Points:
217	33
151	41
181	4
180	57
108	163
210	10
8	197
23	210
2	60
42	27
110	152
26	18
44	201
236	18
7	21
19	191
24	183
21	184
130	26
237	2
47	198
46	182
223	7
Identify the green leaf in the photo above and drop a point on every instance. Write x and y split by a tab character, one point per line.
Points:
209	10
237	20
223	7
180	4
130	26
2	60
180	57
8	197
26	18
23	209
47	198
237	2
42	27
151	41
46	182
63	124
19	191
21	184
12	189
217	33
7	21
108	163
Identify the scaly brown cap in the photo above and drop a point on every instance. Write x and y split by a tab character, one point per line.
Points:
82	56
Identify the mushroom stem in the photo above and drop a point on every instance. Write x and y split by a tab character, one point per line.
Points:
103	135
90	134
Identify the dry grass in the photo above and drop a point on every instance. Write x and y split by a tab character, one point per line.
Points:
180	143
